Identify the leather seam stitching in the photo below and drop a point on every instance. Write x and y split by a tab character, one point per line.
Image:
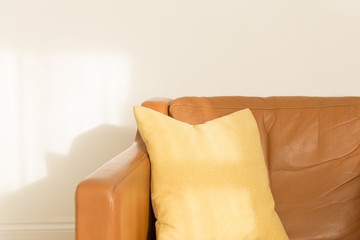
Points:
255	108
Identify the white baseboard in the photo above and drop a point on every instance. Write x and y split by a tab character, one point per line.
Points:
54	229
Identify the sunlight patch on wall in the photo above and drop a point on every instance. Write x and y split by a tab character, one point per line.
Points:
10	122
47	100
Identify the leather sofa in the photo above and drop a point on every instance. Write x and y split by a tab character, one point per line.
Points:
311	147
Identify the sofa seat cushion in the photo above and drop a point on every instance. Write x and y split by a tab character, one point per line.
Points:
312	150
208	181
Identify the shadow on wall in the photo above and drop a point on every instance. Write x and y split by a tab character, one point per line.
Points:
88	152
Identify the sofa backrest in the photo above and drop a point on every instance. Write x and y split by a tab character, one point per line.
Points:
312	151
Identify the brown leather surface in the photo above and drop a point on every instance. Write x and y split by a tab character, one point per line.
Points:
312	149
114	202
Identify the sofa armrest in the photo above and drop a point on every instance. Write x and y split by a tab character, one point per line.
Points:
113	203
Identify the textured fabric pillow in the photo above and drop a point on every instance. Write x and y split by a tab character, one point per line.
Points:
208	181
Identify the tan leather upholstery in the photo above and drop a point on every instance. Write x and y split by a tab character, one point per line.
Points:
311	147
113	203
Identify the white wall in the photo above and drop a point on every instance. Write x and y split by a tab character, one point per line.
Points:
71	70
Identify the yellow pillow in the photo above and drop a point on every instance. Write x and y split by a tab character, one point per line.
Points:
208	181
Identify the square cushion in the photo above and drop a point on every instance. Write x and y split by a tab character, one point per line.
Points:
208	181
